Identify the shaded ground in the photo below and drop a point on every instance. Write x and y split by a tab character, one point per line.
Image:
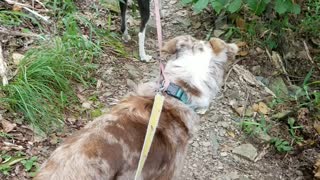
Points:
212	153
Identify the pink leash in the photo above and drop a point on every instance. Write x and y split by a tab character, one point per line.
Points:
166	82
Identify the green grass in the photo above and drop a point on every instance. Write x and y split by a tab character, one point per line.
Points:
42	87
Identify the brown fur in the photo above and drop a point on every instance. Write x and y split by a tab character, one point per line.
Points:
189	88
217	45
128	129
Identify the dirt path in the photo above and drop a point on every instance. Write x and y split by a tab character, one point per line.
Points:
220	150
213	152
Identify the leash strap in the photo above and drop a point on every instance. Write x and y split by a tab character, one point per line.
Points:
152	127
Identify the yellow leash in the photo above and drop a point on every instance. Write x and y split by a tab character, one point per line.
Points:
152	127
157	104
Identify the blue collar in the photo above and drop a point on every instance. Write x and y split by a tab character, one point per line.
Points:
177	92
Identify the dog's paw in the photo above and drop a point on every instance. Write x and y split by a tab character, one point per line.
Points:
145	58
201	110
126	37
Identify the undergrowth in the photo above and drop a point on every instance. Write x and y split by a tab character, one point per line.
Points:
42	88
296	129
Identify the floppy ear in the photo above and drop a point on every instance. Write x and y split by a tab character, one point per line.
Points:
170	46
217	45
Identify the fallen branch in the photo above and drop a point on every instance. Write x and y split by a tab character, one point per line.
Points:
3	68
17	33
309	56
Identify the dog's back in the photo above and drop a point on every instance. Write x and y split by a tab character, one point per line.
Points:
110	146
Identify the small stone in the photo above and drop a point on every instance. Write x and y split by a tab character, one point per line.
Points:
206	143
247	151
218	33
87	104
223	154
222	132
17	57
195	144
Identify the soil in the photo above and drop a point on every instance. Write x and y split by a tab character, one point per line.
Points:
212	153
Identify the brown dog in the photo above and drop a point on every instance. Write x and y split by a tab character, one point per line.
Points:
109	147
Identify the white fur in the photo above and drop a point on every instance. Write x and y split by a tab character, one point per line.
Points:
197	69
142	52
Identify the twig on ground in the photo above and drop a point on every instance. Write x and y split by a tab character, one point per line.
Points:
3	68
245	104
39	2
17	3
277	61
229	72
27	7
17	33
309	56
262	153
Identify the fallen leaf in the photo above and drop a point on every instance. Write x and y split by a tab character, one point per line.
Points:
243	53
261	107
53	139
197	25
7	126
241	44
230	133
16	7
240	22
87	104
248	111
99	84
316	126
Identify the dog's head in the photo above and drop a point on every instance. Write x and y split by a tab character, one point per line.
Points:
187	45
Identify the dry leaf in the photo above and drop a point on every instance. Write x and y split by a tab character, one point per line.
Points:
241	44
7	126
317	169
316	126
230	133
240	22
16	7
243	53
87	104
261	108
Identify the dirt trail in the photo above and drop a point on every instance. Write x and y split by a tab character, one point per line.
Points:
213	152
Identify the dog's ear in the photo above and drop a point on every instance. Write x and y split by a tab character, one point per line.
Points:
217	45
233	48
170	47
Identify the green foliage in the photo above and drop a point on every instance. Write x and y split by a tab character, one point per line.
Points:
8	161
281	145
61	8
42	87
14	18
256	6
293	128
252	127
29	163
